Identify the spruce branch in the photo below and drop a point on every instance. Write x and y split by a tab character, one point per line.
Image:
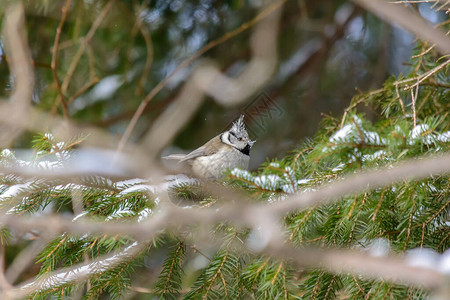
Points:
244	213
257	215
313	202
169	282
77	273
410	170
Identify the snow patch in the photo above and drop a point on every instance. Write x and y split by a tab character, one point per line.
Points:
338	168
379	247
444	137
417	131
120	213
129	182
421	132
375	156
270	182
342	133
144	214
244	174
14	190
444	265
79	216
138	188
422	258
7	153
303	181
373	138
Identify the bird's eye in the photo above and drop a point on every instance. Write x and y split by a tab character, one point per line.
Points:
240	139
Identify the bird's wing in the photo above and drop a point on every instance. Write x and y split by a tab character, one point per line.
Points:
209	148
175	156
183	157
196	153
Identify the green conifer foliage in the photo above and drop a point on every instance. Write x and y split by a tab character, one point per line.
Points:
411	122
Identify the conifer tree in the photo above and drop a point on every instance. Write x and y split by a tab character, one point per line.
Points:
69	230
392	219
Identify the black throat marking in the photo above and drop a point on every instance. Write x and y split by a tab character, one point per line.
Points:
246	150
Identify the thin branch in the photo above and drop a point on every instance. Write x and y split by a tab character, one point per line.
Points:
426	75
416	1
150	52
76	58
187	62
419	79
400	100
33	62
413	103
83	89
54	63
352	106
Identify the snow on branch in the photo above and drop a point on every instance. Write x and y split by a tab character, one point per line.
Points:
262	219
77	273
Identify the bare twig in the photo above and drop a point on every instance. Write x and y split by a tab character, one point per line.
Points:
423	76
400	100
413	103
149	45
85	41
54	62
207	79
356	103
419	1
33	62
187	62
83	89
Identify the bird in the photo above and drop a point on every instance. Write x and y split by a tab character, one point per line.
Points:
228	150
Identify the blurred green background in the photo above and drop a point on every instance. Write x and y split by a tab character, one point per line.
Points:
328	52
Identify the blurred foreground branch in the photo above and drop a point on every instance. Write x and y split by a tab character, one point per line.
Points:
16	47
208	79
261	218
265	221
415	24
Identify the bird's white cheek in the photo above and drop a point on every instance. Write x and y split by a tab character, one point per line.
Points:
226	138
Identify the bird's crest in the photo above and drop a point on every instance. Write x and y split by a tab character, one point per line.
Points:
239	125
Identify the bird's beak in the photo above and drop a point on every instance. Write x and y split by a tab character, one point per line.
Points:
251	143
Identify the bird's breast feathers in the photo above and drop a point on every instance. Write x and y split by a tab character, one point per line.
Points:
213	166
